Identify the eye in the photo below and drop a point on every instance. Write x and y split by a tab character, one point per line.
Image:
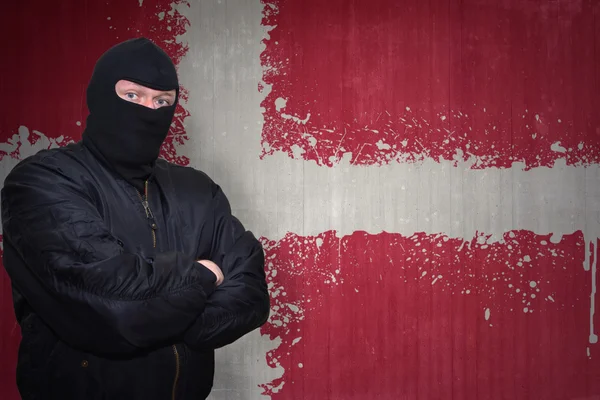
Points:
131	96
163	102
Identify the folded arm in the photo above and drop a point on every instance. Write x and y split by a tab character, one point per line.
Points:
76	275
241	303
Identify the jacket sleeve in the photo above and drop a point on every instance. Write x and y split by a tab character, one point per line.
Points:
241	303
76	275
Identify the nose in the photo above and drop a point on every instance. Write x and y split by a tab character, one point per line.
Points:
148	103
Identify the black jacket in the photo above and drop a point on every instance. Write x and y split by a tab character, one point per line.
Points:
111	302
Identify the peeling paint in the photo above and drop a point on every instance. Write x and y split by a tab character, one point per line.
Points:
384	308
380	96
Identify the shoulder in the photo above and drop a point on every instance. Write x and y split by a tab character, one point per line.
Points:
49	178
50	165
189	179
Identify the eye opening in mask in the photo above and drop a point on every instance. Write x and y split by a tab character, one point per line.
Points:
139	94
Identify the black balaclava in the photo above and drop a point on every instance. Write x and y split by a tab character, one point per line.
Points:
128	136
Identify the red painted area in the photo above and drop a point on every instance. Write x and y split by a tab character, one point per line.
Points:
385	81
392	317
52	49
48	54
10	336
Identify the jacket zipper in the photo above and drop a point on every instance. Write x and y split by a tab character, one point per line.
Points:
177	370
149	215
153	227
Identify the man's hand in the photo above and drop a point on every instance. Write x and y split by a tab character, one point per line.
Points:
215	269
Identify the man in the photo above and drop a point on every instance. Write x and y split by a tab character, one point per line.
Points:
127	271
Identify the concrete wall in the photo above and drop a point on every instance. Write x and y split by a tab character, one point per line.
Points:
424	178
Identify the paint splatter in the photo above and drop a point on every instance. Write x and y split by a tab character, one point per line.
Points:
44	91
592	263
382	82
360	314
50	96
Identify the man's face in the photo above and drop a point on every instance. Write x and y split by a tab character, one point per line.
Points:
143	95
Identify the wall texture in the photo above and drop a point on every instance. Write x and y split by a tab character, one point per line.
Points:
424	177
